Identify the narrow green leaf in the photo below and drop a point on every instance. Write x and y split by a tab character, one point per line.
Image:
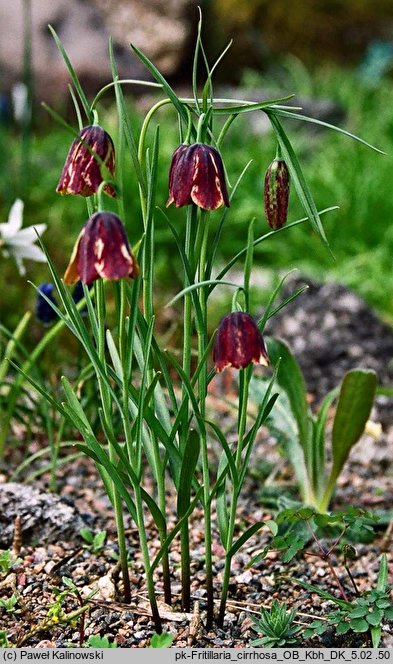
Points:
160	79
102	459
74	77
247	108
319	436
227	452
125	122
222	505
39	389
246	536
74	403
171	536
263	238
201	284
322	593
189	462
305	118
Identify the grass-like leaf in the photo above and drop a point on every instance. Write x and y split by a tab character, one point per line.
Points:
73	75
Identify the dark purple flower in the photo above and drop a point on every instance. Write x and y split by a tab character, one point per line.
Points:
101	250
197	176
82	169
238	343
276	193
43	310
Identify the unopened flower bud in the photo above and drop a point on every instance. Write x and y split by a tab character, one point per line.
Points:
276	193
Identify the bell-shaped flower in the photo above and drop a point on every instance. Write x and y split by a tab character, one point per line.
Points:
88	157
101	250
238	343
19	242
43	310
197	176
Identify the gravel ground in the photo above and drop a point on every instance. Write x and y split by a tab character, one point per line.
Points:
51	547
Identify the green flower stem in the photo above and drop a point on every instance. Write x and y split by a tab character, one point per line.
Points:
187	351
323	504
148	308
202	392
122	81
244	380
146	560
107	414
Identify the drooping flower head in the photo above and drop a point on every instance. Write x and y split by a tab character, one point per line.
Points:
276	193
197	176
101	250
238	343
82	170
43	310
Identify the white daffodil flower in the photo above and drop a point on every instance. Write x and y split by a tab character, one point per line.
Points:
19	242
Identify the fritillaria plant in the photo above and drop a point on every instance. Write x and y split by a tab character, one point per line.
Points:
166	432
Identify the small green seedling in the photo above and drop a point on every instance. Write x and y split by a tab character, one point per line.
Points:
97	641
95	542
8	561
277	626
163	640
9	604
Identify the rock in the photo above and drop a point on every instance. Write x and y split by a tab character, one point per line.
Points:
161	30
44	516
330	330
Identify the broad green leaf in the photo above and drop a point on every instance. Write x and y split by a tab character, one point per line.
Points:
359	625
354	405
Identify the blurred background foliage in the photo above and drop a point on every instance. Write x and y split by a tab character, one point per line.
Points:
324	51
